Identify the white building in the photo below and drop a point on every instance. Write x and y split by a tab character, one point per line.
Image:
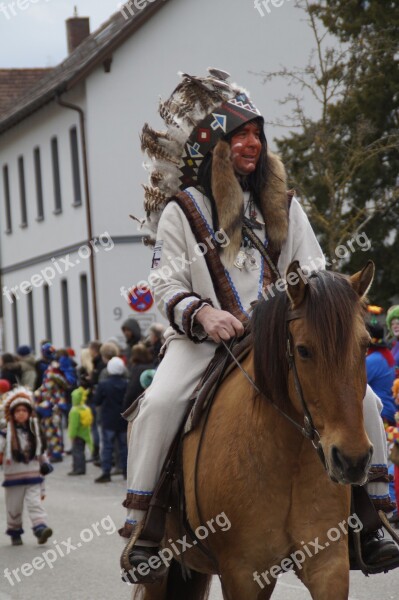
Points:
70	160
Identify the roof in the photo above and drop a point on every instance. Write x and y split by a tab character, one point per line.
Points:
94	50
14	82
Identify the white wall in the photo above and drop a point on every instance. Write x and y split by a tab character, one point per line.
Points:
72	276
124	266
55	231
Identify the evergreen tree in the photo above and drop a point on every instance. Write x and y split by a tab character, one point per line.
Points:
345	162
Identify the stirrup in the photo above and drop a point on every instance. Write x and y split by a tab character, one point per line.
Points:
128	549
144	568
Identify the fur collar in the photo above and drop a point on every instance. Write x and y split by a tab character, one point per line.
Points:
229	201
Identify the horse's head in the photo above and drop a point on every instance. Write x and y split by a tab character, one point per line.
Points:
329	343
324	332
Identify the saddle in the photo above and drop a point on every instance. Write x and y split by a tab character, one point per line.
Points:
171	480
221	365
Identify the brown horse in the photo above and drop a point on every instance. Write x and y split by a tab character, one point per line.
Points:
257	472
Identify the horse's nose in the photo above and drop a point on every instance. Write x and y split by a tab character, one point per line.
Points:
351	469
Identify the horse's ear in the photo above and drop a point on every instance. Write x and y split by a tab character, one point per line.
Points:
296	286
362	280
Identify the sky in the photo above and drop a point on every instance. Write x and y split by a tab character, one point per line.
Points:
35	36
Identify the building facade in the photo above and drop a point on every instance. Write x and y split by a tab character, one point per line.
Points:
71	167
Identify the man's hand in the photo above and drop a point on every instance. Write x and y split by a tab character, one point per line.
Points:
219	324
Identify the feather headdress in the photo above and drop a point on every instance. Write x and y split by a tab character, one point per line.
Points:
16	397
200	112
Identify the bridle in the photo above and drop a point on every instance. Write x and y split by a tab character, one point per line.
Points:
308	430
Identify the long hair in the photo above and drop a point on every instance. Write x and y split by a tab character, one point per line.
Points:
254	182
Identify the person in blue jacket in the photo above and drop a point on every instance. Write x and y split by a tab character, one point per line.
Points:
109	395
380	366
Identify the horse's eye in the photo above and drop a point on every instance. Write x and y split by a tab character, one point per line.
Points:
303	351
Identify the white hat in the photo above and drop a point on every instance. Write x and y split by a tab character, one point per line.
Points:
116	366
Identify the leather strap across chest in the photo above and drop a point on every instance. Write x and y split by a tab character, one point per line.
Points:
220	280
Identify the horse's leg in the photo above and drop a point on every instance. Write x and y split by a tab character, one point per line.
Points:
327	577
239	583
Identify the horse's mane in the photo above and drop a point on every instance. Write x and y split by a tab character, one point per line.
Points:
330	310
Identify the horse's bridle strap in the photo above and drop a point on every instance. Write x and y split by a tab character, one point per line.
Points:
258	391
308	429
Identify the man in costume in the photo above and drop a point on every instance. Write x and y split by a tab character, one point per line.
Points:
206	272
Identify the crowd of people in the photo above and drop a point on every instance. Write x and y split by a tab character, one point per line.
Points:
46	400
382	365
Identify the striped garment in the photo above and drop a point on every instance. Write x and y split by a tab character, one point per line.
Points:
20	473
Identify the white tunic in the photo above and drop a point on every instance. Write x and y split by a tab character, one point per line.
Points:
180	267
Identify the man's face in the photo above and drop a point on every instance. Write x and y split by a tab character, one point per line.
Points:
246	148
21	414
395	327
127	333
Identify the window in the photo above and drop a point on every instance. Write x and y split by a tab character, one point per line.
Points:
22	191
84	295
7	199
39	184
47	312
65	313
31	320
56	176
14	309
77	190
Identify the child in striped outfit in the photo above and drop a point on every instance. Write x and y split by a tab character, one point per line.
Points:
22	454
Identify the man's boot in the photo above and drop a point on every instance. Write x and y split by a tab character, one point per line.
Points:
377	549
141	560
378	553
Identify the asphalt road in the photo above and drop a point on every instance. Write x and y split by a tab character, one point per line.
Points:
85	517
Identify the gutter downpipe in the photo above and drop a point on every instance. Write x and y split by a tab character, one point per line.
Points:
88	207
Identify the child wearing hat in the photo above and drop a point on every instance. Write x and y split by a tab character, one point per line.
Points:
22	454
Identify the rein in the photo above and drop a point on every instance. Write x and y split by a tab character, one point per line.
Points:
308	430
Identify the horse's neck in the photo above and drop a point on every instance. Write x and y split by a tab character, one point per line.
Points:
270	432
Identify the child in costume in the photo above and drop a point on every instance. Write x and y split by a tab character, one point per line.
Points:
51	399
4	388
24	462
80	419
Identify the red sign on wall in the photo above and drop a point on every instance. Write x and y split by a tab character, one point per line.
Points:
140	299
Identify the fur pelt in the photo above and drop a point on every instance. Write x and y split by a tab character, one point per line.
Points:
228	197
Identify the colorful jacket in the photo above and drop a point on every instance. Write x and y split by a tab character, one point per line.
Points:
78	414
380	377
53	391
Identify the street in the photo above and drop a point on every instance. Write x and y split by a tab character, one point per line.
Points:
81	560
